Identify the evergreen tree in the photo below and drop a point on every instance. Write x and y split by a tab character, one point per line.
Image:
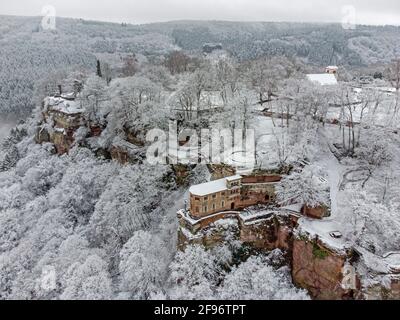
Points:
99	69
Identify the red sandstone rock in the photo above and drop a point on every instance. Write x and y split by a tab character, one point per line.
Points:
318	270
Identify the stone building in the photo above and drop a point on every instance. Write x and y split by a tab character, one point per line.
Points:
329	78
231	193
331	70
321	259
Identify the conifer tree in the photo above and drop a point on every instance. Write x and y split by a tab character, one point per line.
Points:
99	69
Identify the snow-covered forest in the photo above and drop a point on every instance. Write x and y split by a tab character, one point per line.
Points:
31	56
80	225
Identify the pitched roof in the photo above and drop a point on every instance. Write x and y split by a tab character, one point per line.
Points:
209	187
212	186
233	178
324	79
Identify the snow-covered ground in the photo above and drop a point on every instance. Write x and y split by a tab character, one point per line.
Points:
323	230
268	134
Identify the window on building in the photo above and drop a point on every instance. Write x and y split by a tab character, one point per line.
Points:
205	198
213	206
197	210
222	203
214	196
205	209
197	198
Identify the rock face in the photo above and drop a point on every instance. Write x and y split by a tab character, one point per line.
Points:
182	172
125	152
389	292
62	117
219	171
323	263
395	288
267	234
319	270
324	272
261	233
316	213
65	117
61	138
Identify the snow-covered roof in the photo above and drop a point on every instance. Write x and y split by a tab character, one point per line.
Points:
324	79
233	178
333	67
211	187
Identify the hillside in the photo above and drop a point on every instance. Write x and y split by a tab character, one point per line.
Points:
31	56
150	167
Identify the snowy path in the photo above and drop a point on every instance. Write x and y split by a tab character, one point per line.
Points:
324	227
335	177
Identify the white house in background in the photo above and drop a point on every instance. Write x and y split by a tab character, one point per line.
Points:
324	79
331	69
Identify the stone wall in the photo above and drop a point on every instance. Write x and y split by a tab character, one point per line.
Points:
263	233
253	194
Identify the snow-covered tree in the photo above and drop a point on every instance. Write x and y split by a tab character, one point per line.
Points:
88	281
256	279
370	223
194	274
143	265
305	186
122	209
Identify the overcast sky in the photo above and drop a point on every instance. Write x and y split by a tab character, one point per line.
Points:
143	11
